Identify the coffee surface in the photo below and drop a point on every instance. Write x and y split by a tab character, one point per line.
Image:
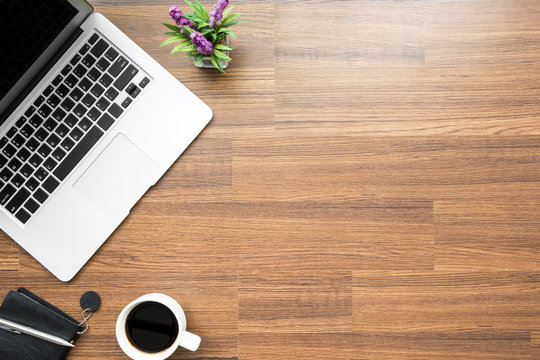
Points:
151	327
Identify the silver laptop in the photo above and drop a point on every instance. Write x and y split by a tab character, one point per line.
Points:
88	122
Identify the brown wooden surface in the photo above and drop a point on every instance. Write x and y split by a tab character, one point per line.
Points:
369	188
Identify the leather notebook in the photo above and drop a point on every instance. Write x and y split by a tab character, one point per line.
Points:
26	308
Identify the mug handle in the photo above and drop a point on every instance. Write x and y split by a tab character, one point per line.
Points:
190	341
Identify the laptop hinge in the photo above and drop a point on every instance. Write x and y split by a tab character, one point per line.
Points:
41	73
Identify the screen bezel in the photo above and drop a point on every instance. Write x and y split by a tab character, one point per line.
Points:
84	10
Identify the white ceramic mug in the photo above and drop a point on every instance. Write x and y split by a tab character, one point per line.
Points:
184	338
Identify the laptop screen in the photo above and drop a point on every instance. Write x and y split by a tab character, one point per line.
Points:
28	27
31	32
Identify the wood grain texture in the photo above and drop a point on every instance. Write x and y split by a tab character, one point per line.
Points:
369	188
453	315
9	254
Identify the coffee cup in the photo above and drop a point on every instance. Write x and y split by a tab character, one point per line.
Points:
152	327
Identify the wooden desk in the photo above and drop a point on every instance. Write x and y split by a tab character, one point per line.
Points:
369	187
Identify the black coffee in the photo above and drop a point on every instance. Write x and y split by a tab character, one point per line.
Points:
151	327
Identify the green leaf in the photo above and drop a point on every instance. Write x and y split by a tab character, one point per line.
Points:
192	17
203	24
172	27
199	58
196	19
231	23
188	29
188	48
196	10
225	30
204	13
221	55
229	18
227	11
193	7
224	47
206	31
171	33
171	40
216	63
198	3
180	46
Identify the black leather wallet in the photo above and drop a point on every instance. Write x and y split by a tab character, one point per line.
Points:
26	308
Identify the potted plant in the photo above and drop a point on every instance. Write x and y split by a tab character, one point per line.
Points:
203	35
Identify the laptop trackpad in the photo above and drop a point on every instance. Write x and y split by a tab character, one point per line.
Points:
119	176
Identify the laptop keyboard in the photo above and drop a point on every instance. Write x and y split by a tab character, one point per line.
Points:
63	123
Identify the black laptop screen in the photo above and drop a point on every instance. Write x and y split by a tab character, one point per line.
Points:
27	28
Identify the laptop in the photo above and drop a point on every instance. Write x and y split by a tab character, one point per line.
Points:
88	122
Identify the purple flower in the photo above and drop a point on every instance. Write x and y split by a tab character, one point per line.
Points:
221	5
203	46
187	22
215	17
178	16
175	13
216	14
